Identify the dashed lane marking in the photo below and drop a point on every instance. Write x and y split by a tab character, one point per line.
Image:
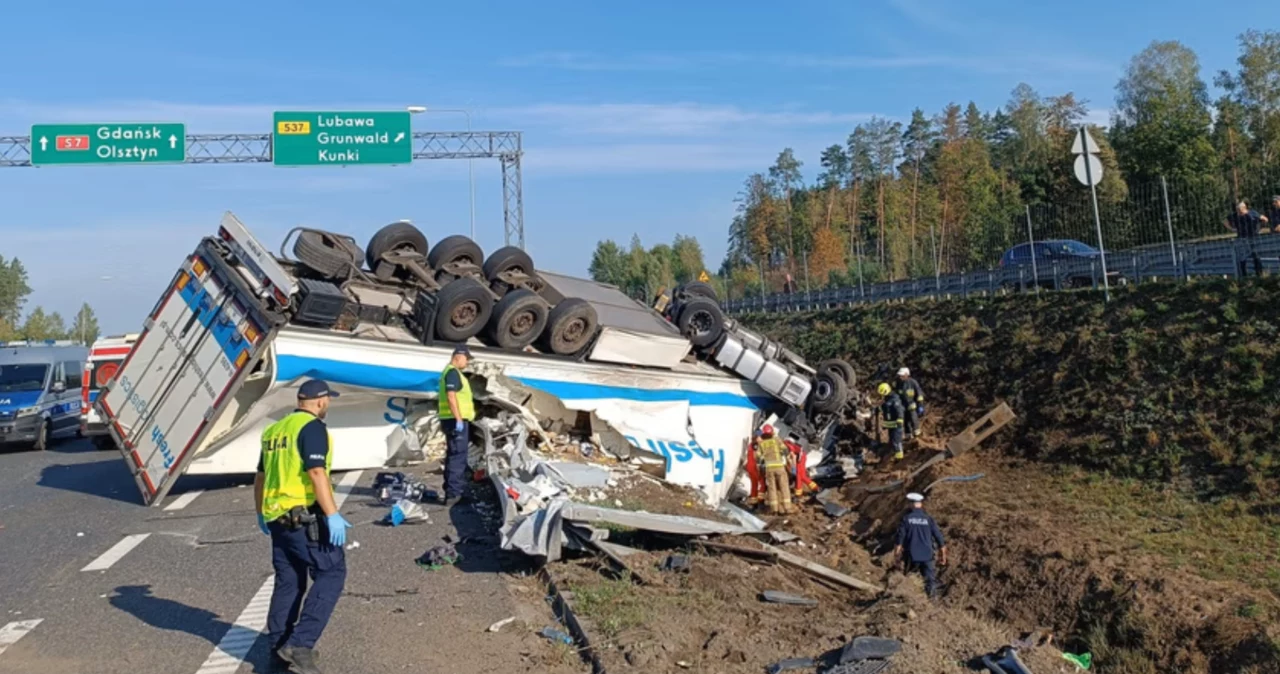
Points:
9	634
116	552
252	623
184	500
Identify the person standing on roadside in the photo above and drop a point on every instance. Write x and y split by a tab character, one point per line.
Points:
1246	224
1273	214
916	535
457	410
297	509
912	402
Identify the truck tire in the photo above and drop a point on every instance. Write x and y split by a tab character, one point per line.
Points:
701	321
518	319
507	258
570	327
462	309
327	254
700	289
841	369
453	249
395	236
830	393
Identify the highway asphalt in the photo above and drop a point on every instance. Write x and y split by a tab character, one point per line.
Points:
92	581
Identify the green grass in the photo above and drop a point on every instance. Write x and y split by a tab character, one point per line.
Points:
613	605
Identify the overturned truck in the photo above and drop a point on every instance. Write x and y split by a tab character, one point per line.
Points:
238	328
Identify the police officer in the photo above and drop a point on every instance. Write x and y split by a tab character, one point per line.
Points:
891	413
297	509
457	410
916	535
912	401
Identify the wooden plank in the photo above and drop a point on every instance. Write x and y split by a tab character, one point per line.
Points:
822	571
980	430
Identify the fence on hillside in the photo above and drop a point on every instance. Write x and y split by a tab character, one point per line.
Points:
1170	230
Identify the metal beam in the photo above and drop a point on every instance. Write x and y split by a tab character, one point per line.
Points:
255	148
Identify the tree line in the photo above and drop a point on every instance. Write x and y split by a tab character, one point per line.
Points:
950	191
37	324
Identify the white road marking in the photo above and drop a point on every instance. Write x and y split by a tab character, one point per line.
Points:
184	500
9	634
252	623
116	552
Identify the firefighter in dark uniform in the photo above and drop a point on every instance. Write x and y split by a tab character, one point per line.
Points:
296	508
916	535
912	396
457	410
891	413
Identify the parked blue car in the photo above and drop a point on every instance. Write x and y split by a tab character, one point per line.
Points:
1062	253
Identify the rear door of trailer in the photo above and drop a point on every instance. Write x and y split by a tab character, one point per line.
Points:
202	339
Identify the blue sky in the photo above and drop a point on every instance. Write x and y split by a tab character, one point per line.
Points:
637	117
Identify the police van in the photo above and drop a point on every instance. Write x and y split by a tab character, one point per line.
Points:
40	391
105	357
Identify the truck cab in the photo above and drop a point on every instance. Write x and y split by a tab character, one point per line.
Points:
105	357
39	391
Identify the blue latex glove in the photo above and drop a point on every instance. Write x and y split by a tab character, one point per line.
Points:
460	428
262	524
337	530
920	409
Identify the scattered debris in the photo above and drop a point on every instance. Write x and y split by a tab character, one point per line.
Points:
980	430
822	571
439	556
790	664
870	648
776	597
501	623
1083	661
404	511
1005	661
676	563
555	635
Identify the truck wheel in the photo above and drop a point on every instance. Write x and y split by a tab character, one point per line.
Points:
518	318
455	249
841	369
830	393
43	438
701	321
395	236
700	289
505	259
570	327
327	254
462	309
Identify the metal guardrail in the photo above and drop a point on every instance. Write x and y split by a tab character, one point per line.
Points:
1201	259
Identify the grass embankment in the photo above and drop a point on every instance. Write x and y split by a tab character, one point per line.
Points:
1167	398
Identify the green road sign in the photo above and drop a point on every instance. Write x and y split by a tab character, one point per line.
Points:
341	138
108	144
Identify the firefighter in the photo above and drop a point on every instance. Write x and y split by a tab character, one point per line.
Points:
912	396
753	470
891	413
774	455
799	470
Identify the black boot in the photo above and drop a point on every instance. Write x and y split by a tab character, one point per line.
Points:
302	660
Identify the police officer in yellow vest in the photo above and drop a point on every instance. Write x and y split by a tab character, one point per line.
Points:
297	509
457	410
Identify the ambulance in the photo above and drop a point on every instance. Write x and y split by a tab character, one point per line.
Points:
105	357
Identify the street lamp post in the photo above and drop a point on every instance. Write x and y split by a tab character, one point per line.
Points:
471	175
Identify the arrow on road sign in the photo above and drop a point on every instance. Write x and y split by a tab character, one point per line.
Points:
44	143
173	142
399	137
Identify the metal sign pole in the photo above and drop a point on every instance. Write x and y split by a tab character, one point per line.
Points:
1031	245
1097	219
1168	218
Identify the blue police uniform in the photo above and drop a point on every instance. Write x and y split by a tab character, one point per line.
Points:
916	534
455	429
295	558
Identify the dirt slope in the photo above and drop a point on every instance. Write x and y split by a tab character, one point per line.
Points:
1168	382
